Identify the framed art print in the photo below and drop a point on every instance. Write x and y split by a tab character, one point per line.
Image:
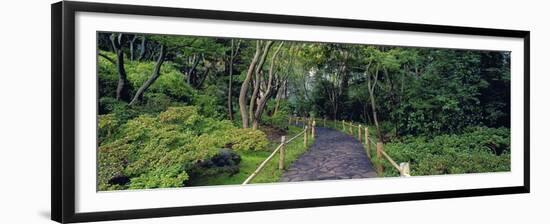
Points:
160	111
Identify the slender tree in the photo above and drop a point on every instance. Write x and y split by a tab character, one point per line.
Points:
154	76
372	79
132	47
142	48
234	52
122	91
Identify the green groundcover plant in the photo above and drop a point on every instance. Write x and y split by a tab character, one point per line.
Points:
158	151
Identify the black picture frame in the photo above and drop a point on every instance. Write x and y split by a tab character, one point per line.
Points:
63	110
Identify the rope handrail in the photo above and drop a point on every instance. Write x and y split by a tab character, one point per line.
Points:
393	163
297	135
261	166
350	124
372	141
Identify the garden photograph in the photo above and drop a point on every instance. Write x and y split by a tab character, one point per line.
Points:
189	111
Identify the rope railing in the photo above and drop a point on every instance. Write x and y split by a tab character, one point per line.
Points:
349	127
281	150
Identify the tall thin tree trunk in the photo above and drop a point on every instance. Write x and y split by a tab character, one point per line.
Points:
234	52
244	86
142	48
230	84
371	88
132	47
152	79
375	116
122	90
191	71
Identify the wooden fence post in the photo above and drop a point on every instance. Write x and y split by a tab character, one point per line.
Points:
343	125
367	141
325	122
305	137
405	169
359	132
289	120
379	148
351	128
313	130
282	153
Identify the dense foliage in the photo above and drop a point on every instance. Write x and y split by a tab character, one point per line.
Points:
158	151
176	111
477	150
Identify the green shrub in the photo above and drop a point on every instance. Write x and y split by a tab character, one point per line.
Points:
247	140
110	105
208	103
157	151
477	150
107	125
155	103
107	76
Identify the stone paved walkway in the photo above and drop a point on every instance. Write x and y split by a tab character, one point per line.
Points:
333	156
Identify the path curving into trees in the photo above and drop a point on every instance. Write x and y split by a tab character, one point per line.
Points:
333	156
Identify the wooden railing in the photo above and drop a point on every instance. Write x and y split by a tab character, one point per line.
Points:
281	150
362	134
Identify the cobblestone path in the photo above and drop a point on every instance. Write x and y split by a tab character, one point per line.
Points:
333	156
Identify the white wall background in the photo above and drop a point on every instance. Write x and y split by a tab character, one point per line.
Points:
25	110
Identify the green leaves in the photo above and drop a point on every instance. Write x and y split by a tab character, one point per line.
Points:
157	151
477	150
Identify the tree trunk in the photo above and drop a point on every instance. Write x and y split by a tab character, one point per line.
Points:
244	86
122	85
152	79
191	71
142	48
132	47
269	89
371	88
234	52
257	80
278	99
375	117
258	114
204	77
